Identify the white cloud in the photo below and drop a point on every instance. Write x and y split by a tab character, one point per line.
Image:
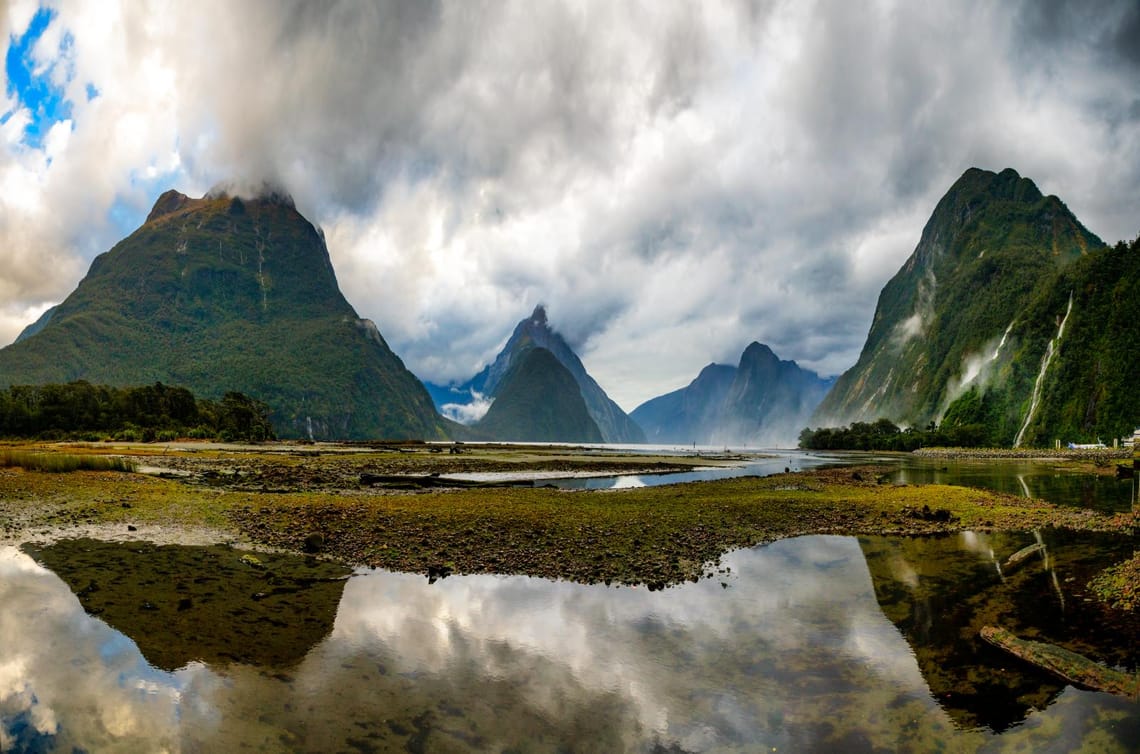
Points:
673	180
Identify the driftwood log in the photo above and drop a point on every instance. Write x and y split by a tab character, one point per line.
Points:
1072	667
1020	556
410	481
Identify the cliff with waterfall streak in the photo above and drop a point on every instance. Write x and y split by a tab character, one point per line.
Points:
1090	388
951	324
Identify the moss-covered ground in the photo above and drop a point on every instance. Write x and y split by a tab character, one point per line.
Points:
305	500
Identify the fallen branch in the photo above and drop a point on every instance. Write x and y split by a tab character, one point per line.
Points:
1019	557
1072	667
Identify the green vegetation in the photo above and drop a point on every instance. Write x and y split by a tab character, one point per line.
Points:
218	294
58	463
1090	390
152	412
655	536
886	435
1119	586
539	401
992	246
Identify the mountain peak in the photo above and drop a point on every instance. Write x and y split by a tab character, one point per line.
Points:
539	400
538	317
991	242
1008	185
535	331
264	191
765	401
170	201
757	351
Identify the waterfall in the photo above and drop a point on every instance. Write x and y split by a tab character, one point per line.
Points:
1049	351
1001	345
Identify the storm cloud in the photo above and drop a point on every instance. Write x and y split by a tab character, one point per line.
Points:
673	180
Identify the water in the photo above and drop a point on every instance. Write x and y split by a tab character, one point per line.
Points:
765	463
1039	479
808	644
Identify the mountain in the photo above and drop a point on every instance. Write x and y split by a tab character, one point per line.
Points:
223	293
535	331
36	326
538	400
946	322
769	400
764	401
1075	360
687	415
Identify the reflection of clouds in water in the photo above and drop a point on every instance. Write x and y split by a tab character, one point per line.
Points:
653	649
698	665
67	678
794	652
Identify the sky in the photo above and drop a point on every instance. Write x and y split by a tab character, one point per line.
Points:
673	180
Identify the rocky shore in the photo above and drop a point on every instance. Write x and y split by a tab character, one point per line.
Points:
1096	455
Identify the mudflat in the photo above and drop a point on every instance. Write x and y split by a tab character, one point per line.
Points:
324	500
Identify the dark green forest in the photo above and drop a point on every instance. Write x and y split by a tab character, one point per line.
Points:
80	410
886	435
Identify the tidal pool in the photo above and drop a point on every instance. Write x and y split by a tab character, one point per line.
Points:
810	644
1039	479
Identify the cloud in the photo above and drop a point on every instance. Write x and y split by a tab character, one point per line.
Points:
674	180
469	412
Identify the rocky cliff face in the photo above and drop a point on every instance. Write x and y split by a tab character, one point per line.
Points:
225	293
944	322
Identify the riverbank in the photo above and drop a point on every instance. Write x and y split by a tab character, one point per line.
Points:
302	500
1097	455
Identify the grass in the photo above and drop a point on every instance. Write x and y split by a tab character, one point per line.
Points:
59	463
655	535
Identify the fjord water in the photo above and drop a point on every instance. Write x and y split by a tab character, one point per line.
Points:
1040	479
809	644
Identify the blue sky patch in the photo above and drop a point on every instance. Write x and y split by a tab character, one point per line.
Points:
35	90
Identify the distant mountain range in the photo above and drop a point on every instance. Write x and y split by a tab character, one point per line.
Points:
464	401
219	294
762	402
1009	317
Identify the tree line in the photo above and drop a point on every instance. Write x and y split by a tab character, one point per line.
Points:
158	412
886	435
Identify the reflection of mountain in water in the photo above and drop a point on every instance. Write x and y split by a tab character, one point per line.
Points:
939	592
181	604
788	648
